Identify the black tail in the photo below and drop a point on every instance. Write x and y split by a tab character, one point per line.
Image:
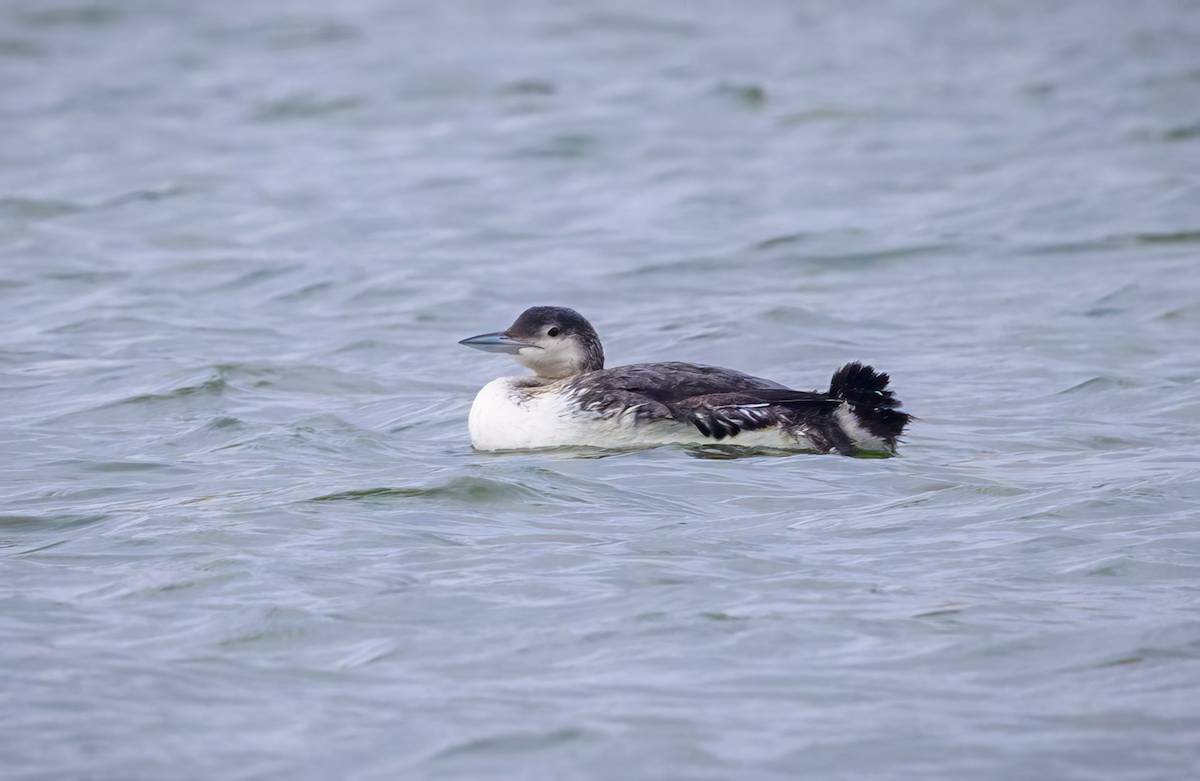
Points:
873	404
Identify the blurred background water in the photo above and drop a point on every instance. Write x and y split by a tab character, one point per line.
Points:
242	531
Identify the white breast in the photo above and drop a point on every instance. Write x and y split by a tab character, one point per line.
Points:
508	415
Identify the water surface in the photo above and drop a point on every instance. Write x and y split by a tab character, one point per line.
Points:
242	530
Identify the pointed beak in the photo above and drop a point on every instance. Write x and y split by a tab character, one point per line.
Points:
499	342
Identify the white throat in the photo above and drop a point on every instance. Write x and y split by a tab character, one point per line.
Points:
553	360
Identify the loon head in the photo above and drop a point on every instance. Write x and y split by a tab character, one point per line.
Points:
554	341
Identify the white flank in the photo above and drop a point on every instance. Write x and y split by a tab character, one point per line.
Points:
858	433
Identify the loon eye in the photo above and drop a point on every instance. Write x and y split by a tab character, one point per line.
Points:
553	332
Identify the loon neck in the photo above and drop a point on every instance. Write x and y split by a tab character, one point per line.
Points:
565	359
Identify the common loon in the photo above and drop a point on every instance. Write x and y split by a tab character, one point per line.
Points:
571	399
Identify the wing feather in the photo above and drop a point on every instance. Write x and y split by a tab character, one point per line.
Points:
719	402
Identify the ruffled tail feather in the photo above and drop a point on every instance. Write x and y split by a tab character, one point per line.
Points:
874	406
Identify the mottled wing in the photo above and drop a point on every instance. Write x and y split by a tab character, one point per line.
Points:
611	402
721	415
718	402
666	382
652	389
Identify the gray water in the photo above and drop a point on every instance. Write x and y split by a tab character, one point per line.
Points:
243	534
